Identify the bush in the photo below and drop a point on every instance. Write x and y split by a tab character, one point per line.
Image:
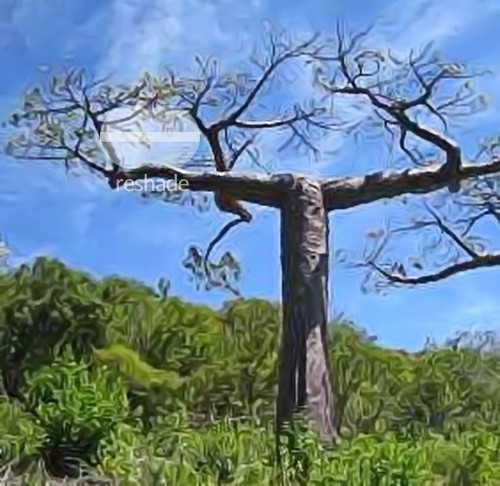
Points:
78	407
143	389
21	438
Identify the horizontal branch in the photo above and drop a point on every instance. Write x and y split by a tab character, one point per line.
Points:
348	192
257	189
280	122
476	263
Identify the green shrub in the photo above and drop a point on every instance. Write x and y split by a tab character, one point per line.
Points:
21	438
78	407
161	391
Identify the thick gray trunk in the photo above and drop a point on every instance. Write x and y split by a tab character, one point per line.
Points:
304	376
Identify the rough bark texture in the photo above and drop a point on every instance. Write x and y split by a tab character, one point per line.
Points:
348	192
304	376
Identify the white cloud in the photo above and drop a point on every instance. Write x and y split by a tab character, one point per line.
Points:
141	34
422	21
148	34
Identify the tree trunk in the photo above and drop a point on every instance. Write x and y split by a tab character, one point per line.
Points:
304	374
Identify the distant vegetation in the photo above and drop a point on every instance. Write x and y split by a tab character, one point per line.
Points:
108	379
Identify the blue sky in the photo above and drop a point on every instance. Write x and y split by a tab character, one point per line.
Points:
42	211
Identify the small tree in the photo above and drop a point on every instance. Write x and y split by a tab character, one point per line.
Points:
63	122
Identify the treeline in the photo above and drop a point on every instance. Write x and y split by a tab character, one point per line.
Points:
115	383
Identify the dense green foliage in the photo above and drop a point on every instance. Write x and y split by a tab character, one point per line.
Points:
108	379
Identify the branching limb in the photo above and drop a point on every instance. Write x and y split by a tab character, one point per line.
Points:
385	82
348	192
474	264
218	238
64	120
235	96
442	243
263	190
276	60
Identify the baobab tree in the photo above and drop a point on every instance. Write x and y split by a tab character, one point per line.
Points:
404	98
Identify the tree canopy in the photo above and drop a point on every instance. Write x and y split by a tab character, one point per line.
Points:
416	103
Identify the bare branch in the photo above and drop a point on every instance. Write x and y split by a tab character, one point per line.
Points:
235	94
63	121
276	60
483	261
439	236
344	193
236	153
299	116
449	232
121	100
385	82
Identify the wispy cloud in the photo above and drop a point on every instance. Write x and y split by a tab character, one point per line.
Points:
141	35
149	34
422	21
